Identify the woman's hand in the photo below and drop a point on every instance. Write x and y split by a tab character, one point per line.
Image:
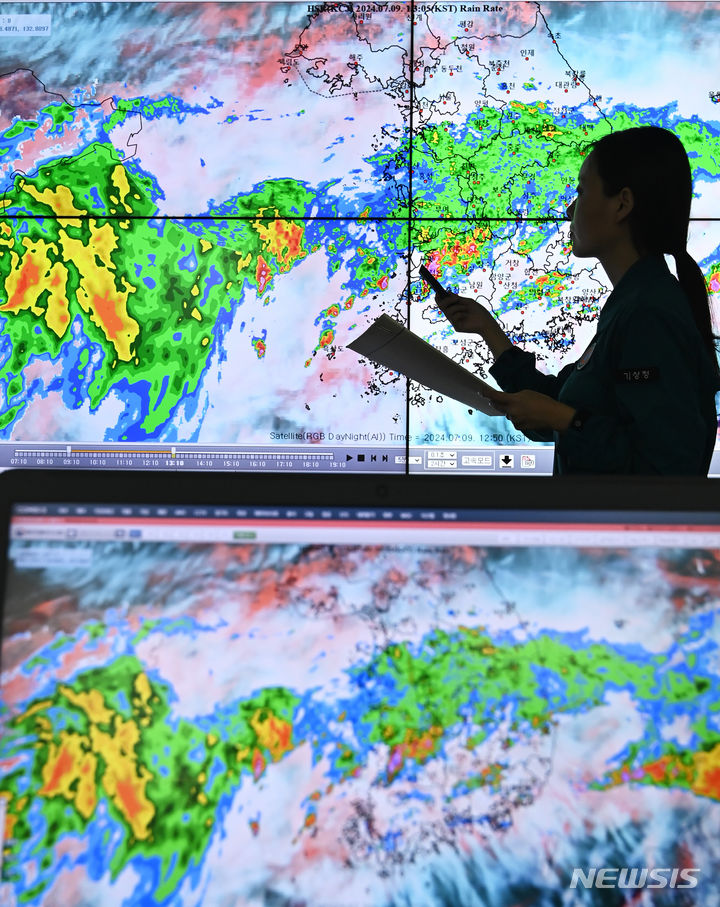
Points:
469	317
531	411
463	313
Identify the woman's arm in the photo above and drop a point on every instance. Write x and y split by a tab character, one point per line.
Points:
531	399
513	368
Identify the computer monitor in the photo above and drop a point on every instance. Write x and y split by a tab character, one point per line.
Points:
349	692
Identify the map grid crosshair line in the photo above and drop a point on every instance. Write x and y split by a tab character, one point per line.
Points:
411	79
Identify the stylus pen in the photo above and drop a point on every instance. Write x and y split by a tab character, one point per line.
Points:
433	281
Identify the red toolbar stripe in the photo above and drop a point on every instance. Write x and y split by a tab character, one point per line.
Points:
355	523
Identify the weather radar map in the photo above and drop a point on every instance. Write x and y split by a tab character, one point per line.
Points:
314	724
202	204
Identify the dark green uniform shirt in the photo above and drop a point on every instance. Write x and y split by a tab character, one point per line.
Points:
645	385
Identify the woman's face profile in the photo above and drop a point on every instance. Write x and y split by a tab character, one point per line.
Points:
593	226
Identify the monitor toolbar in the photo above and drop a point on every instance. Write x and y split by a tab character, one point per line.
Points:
233	458
131	511
447	460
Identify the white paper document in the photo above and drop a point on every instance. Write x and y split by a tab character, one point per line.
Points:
389	343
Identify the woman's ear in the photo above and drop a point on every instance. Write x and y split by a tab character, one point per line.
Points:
625	203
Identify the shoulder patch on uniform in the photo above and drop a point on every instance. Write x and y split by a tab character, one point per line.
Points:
642	375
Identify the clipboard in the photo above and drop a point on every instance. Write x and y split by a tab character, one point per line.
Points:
389	343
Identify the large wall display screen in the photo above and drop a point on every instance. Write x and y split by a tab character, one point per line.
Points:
202	204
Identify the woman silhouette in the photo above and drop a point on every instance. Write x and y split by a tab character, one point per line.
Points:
641	398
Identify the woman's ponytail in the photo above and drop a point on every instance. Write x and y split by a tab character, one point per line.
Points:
693	283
